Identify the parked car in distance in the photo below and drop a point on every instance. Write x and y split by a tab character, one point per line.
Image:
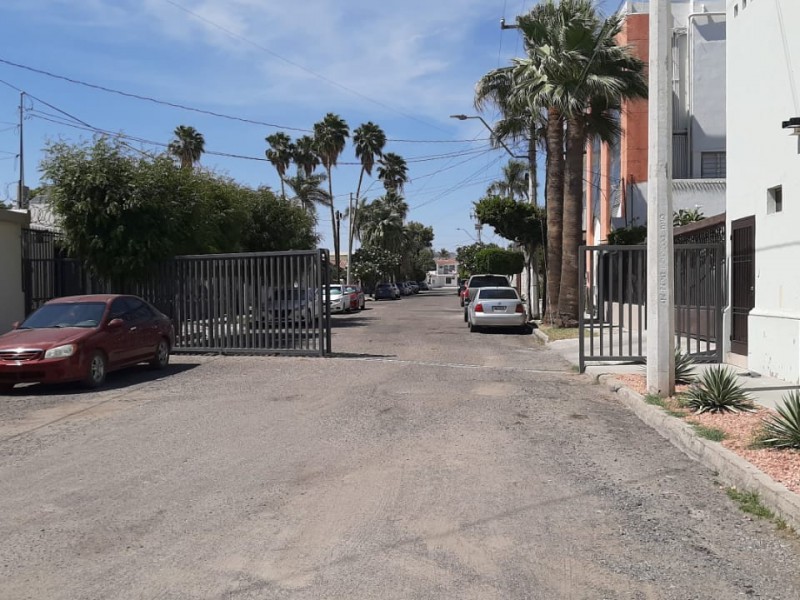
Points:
384	291
476	282
82	338
413	286
496	307
462	293
357	297
294	305
395	289
404	289
423	286
338	301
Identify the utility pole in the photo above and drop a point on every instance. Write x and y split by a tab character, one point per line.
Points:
350	238
21	188
660	253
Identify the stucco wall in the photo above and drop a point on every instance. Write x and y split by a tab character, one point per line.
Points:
762	84
707	195
12	305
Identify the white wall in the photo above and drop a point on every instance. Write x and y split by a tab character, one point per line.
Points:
12	301
763	78
707	195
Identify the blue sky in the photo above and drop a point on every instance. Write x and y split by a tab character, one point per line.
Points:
404	64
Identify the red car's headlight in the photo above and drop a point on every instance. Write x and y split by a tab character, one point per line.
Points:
64	351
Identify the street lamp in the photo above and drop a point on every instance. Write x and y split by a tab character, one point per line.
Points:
489	127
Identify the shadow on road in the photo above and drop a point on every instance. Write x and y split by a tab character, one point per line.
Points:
114	381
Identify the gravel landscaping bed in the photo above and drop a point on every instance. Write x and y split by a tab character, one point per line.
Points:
740	430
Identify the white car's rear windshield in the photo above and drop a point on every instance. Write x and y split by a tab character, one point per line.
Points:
498	295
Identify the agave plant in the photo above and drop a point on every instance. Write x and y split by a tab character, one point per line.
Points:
684	367
783	430
717	390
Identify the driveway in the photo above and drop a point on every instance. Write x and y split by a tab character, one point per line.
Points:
421	461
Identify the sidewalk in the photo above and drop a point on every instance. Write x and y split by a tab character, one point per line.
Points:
766	391
729	466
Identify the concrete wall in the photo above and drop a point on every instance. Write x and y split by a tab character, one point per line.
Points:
12	301
763	91
707	195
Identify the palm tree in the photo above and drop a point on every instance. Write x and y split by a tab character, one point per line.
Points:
330	138
369	140
393	171
188	146
304	155
308	191
514	183
280	155
575	69
383	226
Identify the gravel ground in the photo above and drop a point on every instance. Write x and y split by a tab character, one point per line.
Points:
422	461
741	430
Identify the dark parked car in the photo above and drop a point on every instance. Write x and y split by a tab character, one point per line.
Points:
384	291
81	338
423	286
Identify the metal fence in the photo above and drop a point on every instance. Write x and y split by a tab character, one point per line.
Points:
253	303
613	305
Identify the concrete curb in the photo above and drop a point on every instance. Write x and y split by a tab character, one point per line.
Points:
732	468
541	335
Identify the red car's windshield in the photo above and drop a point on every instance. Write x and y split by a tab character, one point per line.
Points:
73	314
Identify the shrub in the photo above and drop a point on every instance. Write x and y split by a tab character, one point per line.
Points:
783	429
718	391
684	367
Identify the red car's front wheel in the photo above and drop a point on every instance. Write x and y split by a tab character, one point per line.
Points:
95	371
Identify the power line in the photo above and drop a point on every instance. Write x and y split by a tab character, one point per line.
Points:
299	66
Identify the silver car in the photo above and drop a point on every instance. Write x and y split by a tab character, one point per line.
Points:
496	307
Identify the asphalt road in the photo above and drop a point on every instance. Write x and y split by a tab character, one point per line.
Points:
421	461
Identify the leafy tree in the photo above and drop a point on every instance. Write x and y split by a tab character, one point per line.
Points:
383	225
443	253
330	137
369	140
514	183
371	264
632	235
417	251
280	155
500	261
188	146
467	257
275	224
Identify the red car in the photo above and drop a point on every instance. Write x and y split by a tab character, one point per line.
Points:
81	338
357	297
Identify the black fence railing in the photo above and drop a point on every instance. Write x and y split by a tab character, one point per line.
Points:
255	303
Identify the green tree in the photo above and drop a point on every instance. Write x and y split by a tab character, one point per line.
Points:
417	251
280	155
393	172
369	140
187	146
371	264
304	155
330	138
383	225
443	253
308	191
500	261
514	183
468	263
275	224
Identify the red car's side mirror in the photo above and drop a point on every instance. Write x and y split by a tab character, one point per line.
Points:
115	323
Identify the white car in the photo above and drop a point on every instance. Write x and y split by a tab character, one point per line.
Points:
338	301
496	307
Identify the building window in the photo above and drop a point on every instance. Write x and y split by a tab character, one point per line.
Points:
735	10
712	165
775	199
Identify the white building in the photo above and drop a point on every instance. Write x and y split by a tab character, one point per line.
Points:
445	275
763	200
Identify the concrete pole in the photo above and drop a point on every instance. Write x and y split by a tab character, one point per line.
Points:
660	268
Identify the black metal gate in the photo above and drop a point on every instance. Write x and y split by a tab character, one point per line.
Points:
253	303
613	305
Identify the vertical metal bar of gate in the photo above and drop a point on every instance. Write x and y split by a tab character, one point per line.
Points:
582	277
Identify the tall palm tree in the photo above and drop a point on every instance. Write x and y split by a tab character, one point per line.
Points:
280	155
308	191
330	138
575	69
383	226
393	172
369	140
188	146
514	183
304	155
